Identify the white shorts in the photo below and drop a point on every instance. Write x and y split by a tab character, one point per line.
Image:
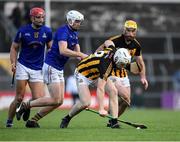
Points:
123	81
24	73
52	75
80	79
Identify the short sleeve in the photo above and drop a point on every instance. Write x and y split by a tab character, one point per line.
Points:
18	36
49	35
105	68
62	35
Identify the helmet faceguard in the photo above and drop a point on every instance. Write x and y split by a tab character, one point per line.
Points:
122	57
73	16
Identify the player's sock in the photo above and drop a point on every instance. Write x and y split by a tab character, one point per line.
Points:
65	121
37	117
27	104
114	123
9	123
68	117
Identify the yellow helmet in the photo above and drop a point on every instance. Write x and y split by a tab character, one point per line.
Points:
130	24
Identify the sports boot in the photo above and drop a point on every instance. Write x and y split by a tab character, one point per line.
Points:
65	121
32	124
26	114
20	110
114	123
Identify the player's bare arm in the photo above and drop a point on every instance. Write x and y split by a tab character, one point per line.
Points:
78	49
49	44
67	52
107	43
140	61
100	48
100	96
13	55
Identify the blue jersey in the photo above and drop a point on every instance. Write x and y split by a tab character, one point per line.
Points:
32	45
54	57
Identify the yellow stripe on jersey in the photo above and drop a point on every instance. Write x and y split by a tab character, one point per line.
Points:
92	71
108	71
119	72
96	62
107	49
137	42
90	66
93	77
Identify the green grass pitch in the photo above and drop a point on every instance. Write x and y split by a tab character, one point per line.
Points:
163	125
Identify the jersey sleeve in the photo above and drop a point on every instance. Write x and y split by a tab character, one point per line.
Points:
18	36
77	39
49	35
138	48
138	52
105	68
62	35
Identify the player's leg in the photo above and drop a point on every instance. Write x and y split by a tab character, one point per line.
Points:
55	81
83	102
20	91
37	89
113	103
113	98
56	91
21	81
124	91
75	97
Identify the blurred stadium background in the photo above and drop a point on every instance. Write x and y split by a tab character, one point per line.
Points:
158	32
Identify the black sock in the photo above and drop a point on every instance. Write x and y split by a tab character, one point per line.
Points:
114	121
68	117
9	121
36	117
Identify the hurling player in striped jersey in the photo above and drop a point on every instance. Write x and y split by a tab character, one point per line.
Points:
119	81
95	70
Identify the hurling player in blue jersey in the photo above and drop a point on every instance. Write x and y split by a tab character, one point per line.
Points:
31	40
65	45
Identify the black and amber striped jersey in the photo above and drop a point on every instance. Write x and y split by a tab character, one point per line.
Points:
97	65
134	49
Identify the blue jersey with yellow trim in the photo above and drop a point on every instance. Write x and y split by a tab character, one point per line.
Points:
54	57
32	45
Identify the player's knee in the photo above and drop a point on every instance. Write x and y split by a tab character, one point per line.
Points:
35	97
124	100
86	104
113	92
18	99
58	101
125	97
127	100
